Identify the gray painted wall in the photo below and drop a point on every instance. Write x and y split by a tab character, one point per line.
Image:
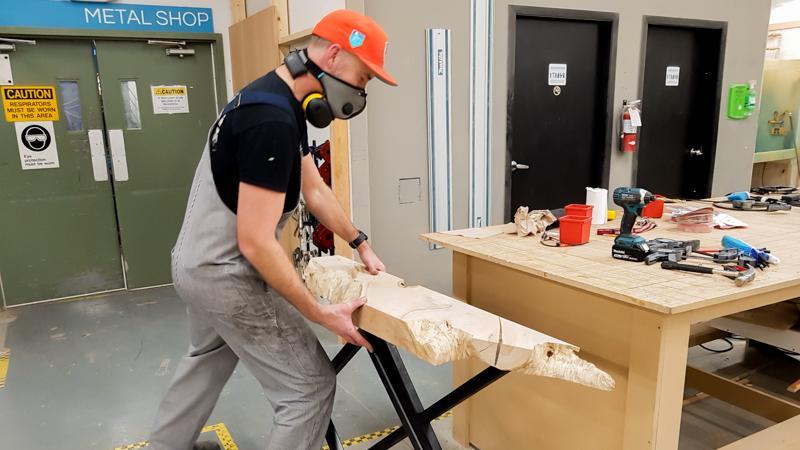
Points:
396	117
747	22
397	137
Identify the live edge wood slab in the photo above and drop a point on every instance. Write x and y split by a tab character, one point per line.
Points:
439	329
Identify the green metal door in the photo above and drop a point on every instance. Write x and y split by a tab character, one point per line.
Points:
157	109
58	236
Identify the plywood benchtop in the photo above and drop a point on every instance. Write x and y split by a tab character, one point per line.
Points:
590	267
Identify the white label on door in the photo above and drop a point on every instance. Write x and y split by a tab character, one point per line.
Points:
557	75
37	145
170	99
673	76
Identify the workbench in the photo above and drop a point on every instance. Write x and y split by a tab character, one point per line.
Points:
631	320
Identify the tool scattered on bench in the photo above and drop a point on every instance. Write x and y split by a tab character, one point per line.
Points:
642	225
792	199
762	257
743	201
669	250
724	256
739	277
766	190
627	246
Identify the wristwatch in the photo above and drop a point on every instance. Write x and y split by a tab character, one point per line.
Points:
358	240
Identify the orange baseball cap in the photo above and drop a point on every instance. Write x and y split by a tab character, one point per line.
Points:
359	35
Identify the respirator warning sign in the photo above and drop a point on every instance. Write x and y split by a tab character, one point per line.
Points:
29	103
170	99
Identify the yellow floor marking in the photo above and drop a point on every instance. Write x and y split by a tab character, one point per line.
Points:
379	434
4	367
223	435
219	429
226	440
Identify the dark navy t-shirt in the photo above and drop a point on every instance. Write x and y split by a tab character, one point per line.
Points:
261	145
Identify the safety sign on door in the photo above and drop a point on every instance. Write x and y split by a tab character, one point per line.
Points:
673	76
557	75
29	103
37	145
170	99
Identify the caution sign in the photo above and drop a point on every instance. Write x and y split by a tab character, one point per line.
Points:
170	99
37	145
29	103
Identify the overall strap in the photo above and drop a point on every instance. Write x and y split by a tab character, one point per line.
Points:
254	97
245	98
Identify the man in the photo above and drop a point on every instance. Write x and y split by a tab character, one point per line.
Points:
244	298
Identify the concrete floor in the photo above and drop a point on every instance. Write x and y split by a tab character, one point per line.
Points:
89	374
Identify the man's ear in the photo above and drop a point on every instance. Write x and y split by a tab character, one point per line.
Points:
331	54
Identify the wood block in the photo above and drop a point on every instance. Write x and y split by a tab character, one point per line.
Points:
439	329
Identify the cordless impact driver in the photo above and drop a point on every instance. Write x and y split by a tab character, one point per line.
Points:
627	246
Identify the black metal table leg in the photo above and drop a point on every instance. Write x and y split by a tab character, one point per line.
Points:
415	420
454	398
339	361
344	356
332	438
401	391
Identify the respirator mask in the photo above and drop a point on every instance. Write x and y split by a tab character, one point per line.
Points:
339	99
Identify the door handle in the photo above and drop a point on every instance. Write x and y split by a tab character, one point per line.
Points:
119	162
98	153
516	166
696	152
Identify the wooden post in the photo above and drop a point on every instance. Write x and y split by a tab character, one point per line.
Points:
282	8
340	176
238	10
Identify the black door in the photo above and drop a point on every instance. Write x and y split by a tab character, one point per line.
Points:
679	111
558	122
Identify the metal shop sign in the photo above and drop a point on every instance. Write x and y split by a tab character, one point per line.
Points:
105	16
29	103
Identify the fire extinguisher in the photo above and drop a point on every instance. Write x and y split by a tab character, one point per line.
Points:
631	120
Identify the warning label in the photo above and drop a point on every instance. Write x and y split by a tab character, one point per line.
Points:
29	103
170	99
37	145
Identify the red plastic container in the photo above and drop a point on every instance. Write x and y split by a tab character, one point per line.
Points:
578	210
654	209
575	230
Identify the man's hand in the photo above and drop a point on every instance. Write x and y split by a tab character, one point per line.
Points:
339	320
370	259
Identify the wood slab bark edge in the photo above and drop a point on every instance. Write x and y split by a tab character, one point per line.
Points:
440	329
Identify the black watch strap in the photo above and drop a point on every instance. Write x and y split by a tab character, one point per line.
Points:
358	240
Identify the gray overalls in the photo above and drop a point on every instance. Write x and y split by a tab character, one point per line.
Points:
234	315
